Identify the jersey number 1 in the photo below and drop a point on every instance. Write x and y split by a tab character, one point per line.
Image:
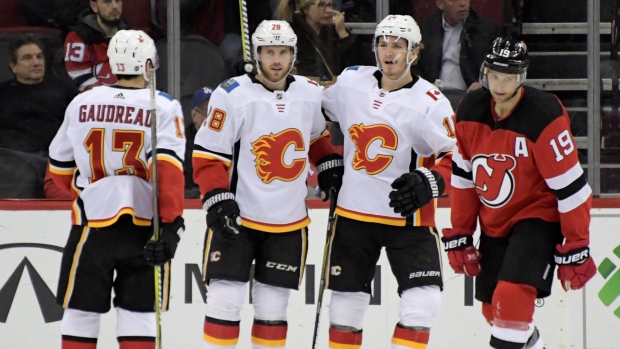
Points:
127	141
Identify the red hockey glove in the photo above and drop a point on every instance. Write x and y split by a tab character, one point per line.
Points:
575	266
462	254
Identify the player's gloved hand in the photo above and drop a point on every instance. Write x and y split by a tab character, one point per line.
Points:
464	258
161	251
415	189
243	67
223	215
575	266
331	170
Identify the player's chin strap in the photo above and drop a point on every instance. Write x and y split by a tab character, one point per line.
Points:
405	72
269	82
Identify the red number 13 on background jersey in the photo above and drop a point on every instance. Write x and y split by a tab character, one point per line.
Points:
127	141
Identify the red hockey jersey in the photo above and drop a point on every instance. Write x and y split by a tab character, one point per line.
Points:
522	166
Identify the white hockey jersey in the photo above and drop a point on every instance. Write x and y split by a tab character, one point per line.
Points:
387	134
262	138
104	143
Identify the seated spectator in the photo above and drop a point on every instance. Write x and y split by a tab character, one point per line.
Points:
86	47
32	105
199	115
323	42
455	40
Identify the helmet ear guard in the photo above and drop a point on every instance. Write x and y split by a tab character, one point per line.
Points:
505	56
130	51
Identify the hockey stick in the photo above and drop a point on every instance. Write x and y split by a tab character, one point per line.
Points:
245	36
319	302
155	203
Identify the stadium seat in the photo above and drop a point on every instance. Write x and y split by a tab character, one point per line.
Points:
201	64
10	14
21	175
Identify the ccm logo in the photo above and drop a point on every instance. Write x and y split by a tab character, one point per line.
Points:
281	266
452	244
424	274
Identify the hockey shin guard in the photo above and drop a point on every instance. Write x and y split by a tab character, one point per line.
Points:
135	330
220	334
340	337
410	337
513	312
79	329
269	334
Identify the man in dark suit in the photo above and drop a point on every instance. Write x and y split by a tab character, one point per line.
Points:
455	40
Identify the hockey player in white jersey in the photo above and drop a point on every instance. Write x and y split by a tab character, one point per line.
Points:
103	152
251	161
397	147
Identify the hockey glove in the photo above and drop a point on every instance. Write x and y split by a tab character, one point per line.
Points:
223	213
161	251
464	258
575	266
331	170
414	190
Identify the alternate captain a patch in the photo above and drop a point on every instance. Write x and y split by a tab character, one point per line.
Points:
229	85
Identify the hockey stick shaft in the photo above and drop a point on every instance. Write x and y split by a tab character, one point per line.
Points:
245	31
154	179
328	239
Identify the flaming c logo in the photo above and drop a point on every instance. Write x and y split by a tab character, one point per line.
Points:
363	136
270	150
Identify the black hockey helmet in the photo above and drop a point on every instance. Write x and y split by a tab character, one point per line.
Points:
505	56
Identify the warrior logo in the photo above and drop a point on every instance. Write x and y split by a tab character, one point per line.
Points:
363	136
493	178
270	154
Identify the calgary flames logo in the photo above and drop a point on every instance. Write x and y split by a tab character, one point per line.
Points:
493	178
363	136
270	151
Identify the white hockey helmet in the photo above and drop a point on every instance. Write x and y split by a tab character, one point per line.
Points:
403	26
129	51
274	33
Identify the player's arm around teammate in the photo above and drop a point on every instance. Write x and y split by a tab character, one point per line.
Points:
516	171
250	161
397	155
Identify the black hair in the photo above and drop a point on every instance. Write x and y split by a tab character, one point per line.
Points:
18	43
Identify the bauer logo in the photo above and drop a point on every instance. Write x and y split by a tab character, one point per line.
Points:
611	289
19	279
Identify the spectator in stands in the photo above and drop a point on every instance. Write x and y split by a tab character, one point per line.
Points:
86	47
199	115
455	40
32	107
323	42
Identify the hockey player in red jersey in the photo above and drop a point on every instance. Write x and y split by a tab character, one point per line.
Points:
397	154
250	161
86	46
517	172
103	152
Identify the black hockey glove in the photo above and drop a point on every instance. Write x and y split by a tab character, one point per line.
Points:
331	170
161	251
414	190
223	213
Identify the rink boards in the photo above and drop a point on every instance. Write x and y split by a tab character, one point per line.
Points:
30	251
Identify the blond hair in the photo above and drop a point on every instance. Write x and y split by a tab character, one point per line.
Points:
285	12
